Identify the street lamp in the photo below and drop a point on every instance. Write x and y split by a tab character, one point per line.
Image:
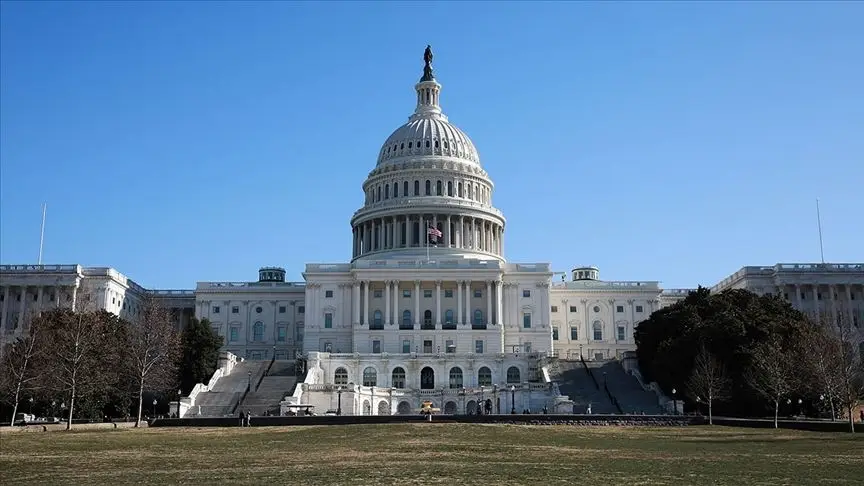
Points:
339	403
31	405
497	400
249	383
154	407
674	402
512	400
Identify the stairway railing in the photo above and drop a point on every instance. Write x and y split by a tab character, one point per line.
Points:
588	370
612	398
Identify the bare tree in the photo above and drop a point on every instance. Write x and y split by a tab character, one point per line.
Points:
153	350
19	366
771	373
819	352
709	380
849	369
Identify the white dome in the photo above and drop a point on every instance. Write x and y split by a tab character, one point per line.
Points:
428	134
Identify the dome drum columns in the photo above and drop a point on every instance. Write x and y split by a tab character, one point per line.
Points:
408	231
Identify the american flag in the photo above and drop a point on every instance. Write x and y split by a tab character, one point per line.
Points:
432	231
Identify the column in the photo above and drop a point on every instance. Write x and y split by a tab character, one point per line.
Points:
366	302
489	301
468	313
816	301
587	327
437	304
38	299
57	292
831	290
849	309
5	308
355	299
459	284
473	241
387	302
448	238
499	305
416	304
798	297
23	309
396	319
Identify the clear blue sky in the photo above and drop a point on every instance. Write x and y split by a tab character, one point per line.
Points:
183	142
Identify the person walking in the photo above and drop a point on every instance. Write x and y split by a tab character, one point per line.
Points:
242	419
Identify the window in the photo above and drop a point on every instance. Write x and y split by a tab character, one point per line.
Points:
427	294
619	308
370	376
340	377
427	379
406	320
301	309
448	293
527	346
258	332
484	376
461	192
574	333
281	334
572	308
478	346
596	308
513	375
234	333
235	309
449	183
554	333
438	190
448	318
215	307
428	188
416	188
299	330
526	320
328	321
281	309
405	188
395	189
258	310
377	294
406	346
376	346
598	331
449	346
398	379
427	320
526	293
328	294
427	346
478	317
386	191
554	308
621	333
455	377
638	308
478	293
377	320
406	293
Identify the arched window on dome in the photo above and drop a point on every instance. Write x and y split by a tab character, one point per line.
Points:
428	188
416	188
395	189
410	145
438	190
379	194
470	192
405	188
386	191
461	192
427	143
450	188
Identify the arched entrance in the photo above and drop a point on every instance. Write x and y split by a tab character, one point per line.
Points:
471	407
450	408
367	407
404	408
383	408
427	378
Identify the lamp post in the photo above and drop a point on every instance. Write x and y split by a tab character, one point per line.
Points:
674	402
580	352
512	400
339	401
249	383
31	405
497	401
154	407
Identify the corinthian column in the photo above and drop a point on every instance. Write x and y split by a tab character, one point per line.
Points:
489	302
387	302
438	304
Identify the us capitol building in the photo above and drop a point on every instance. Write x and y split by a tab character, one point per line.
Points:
428	308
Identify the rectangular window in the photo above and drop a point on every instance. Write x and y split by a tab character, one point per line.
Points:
449	346
526	320
448	293
301	309
406	346
574	333
376	346
572	308
638	308
526	293
478	293
427	346
215	330
554	308
406	293
281	309
377	294
328	294
282	334
554	333
235	309
234	333
328	320
619	308
621	333
427	294
478	346
215	308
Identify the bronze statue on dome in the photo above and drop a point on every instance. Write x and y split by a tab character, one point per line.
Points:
427	69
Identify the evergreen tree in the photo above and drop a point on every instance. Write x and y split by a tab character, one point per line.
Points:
200	348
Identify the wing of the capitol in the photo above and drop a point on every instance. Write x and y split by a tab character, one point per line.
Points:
427	309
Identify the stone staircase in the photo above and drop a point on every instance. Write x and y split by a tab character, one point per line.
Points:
625	388
221	400
575	382
274	387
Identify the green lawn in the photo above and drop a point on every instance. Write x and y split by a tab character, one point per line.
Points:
432	453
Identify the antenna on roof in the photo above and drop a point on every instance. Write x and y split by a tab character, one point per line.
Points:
42	232
819	222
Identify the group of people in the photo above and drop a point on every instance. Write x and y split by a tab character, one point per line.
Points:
245	418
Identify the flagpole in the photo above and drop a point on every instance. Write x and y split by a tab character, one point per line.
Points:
819	222
42	232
